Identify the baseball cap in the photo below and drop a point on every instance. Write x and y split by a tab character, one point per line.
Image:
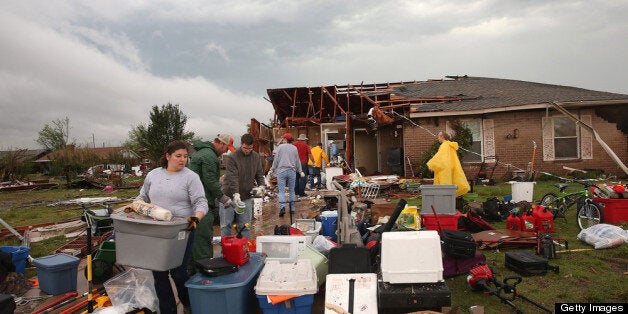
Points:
287	136
226	139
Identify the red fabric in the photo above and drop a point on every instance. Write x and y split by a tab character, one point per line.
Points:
303	149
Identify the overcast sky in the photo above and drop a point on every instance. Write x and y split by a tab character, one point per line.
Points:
104	64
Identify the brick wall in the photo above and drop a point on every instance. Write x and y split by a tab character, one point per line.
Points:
516	153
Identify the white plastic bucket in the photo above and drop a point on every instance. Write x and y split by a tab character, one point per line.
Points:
522	191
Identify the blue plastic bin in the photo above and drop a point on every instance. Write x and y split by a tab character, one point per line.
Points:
328	220
57	273
232	293
299	305
19	255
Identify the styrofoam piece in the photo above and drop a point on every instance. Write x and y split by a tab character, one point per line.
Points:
442	196
149	244
411	257
364	292
287	278
283	248
330	173
522	191
311	233
319	261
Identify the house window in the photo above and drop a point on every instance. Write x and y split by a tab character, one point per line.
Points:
475	154
565	138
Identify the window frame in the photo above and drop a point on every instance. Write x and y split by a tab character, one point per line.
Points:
576	137
481	157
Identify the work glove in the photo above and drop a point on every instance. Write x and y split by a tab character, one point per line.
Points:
192	222
238	201
226	201
302	174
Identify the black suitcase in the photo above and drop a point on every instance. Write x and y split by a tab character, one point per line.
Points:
410	297
348	258
526	263
7	304
458	244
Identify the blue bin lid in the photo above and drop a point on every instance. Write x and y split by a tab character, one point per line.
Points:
56	261
241	278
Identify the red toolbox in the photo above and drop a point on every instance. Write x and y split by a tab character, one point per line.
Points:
615	209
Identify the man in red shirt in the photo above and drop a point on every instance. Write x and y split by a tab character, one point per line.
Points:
305	154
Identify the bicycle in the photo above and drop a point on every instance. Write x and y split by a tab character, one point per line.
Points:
588	211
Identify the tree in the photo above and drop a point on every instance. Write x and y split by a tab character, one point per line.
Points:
166	124
55	136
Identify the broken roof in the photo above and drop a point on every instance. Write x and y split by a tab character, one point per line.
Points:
450	96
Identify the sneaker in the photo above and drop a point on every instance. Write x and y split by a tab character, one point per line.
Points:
282	212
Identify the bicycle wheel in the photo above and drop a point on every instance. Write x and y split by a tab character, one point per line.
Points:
549	201
589	215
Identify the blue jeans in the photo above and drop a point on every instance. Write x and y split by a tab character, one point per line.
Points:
301	181
315	172
167	303
228	215
287	177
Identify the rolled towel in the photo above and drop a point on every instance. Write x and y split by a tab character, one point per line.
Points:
151	210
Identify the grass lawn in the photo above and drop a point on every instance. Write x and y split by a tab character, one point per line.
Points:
589	276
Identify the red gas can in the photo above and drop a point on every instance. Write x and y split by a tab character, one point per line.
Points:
543	219
235	250
513	222
527	222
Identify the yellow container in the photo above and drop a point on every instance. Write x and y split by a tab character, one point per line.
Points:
409	218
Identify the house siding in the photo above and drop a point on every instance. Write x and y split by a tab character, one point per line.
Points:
516	153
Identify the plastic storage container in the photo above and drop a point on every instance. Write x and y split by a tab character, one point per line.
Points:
364	292
615	209
133	288
150	244
522	191
19	255
299	305
447	221
231	293
319	261
309	233
57	273
287	279
411	257
442	196
328	219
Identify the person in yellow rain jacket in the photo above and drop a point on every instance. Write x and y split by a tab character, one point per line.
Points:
315	167
446	165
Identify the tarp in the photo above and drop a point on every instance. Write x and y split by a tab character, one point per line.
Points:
447	168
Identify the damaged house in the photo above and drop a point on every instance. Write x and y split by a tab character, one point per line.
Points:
384	128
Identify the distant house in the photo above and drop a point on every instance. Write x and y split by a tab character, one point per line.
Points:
13	161
386	127
100	152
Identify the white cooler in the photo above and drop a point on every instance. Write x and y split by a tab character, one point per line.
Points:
411	257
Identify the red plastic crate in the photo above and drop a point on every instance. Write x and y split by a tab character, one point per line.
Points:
446	221
615	209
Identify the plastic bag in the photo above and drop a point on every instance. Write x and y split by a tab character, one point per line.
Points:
134	288
603	236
